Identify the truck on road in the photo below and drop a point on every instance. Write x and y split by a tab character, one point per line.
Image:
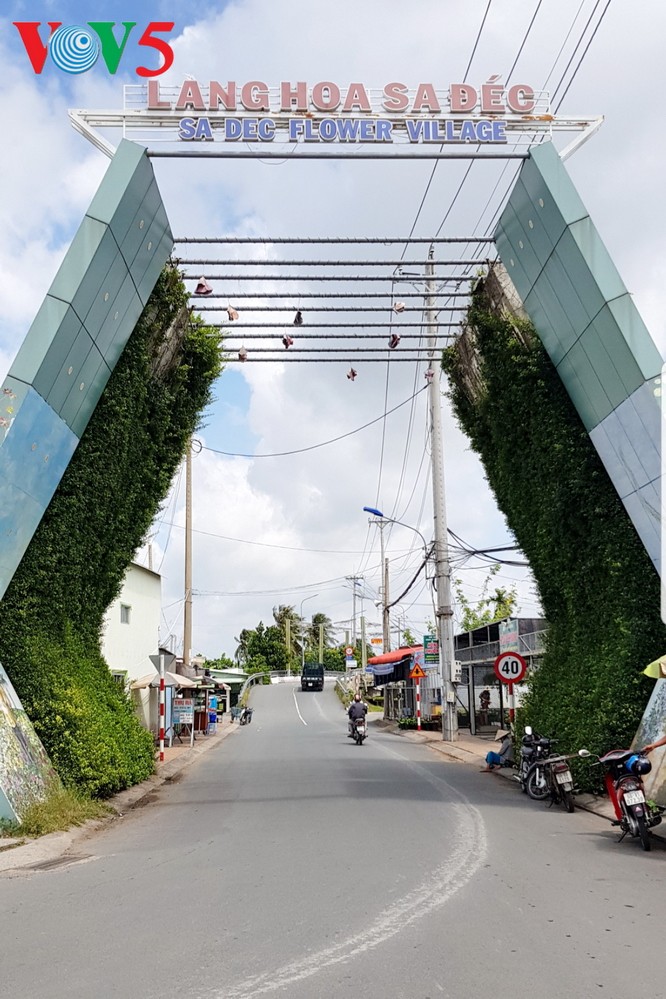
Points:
312	677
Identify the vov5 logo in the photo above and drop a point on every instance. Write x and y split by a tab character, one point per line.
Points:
76	49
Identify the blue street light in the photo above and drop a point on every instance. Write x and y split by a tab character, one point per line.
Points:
392	520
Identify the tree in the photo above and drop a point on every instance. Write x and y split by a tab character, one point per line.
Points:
489	608
312	632
262	649
408	638
222	662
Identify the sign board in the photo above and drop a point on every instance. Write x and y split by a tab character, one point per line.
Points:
349	652
169	660
430	649
510	667
376	641
183	711
417	673
509	639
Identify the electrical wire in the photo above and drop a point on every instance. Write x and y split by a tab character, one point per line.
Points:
313	447
584	53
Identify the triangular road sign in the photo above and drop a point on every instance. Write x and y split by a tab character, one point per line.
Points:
169	660
417	673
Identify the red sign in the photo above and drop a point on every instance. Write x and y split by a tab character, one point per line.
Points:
510	667
417	673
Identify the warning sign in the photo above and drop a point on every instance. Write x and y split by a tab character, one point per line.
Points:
417	672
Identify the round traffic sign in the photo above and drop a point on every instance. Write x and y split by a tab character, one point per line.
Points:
349	652
510	667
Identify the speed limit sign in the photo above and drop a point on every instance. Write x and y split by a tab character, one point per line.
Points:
510	667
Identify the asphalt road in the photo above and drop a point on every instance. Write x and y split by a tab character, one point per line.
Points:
289	861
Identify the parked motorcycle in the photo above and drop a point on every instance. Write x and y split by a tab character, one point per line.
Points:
623	776
552	778
359	730
533	751
528	751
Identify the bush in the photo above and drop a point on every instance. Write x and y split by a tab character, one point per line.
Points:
52	613
598	587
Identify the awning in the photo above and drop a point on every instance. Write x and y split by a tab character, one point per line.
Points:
170	680
396	656
387	664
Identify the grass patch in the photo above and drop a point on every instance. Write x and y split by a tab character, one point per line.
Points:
59	812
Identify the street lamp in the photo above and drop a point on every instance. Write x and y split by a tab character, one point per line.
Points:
386	624
392	520
311	597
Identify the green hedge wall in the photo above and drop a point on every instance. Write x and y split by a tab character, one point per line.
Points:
51	615
599	589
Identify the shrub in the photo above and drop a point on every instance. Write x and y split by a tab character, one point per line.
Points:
52	613
598	587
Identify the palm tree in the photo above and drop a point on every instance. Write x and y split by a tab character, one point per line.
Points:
313	631
285	612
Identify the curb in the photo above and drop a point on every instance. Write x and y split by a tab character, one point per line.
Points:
36	852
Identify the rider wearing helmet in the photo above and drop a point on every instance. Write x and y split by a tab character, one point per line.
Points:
357	709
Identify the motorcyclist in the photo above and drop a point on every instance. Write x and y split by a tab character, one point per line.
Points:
357	709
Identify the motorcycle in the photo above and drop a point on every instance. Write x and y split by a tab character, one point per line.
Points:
552	778
529	749
359	730
623	778
245	716
533	751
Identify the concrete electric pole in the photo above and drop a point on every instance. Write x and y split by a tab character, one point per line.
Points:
444	610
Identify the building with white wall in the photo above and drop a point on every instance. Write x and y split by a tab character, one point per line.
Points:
130	635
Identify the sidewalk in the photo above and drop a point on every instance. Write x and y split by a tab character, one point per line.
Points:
472	749
17	855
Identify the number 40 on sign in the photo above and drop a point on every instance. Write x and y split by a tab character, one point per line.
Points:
510	667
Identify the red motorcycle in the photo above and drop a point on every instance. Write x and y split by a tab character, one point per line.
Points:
623	777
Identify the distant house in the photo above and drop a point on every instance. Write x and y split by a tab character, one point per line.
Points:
130	635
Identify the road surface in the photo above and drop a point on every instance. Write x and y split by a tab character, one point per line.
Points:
291	862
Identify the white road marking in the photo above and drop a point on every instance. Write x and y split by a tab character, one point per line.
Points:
467	854
297	708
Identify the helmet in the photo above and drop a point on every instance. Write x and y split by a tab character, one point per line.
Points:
638	765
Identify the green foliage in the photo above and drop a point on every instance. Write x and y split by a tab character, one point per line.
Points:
406	723
496	606
408	639
61	810
52	613
334	659
262	649
312	632
599	590
222	662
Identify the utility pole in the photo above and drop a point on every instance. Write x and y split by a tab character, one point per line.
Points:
386	633
364	652
386	630
187	622
354	580
444	612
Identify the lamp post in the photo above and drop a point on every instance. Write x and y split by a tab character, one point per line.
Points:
392	520
311	597
385	611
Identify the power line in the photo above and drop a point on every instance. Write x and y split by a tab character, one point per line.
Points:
584	53
313	447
